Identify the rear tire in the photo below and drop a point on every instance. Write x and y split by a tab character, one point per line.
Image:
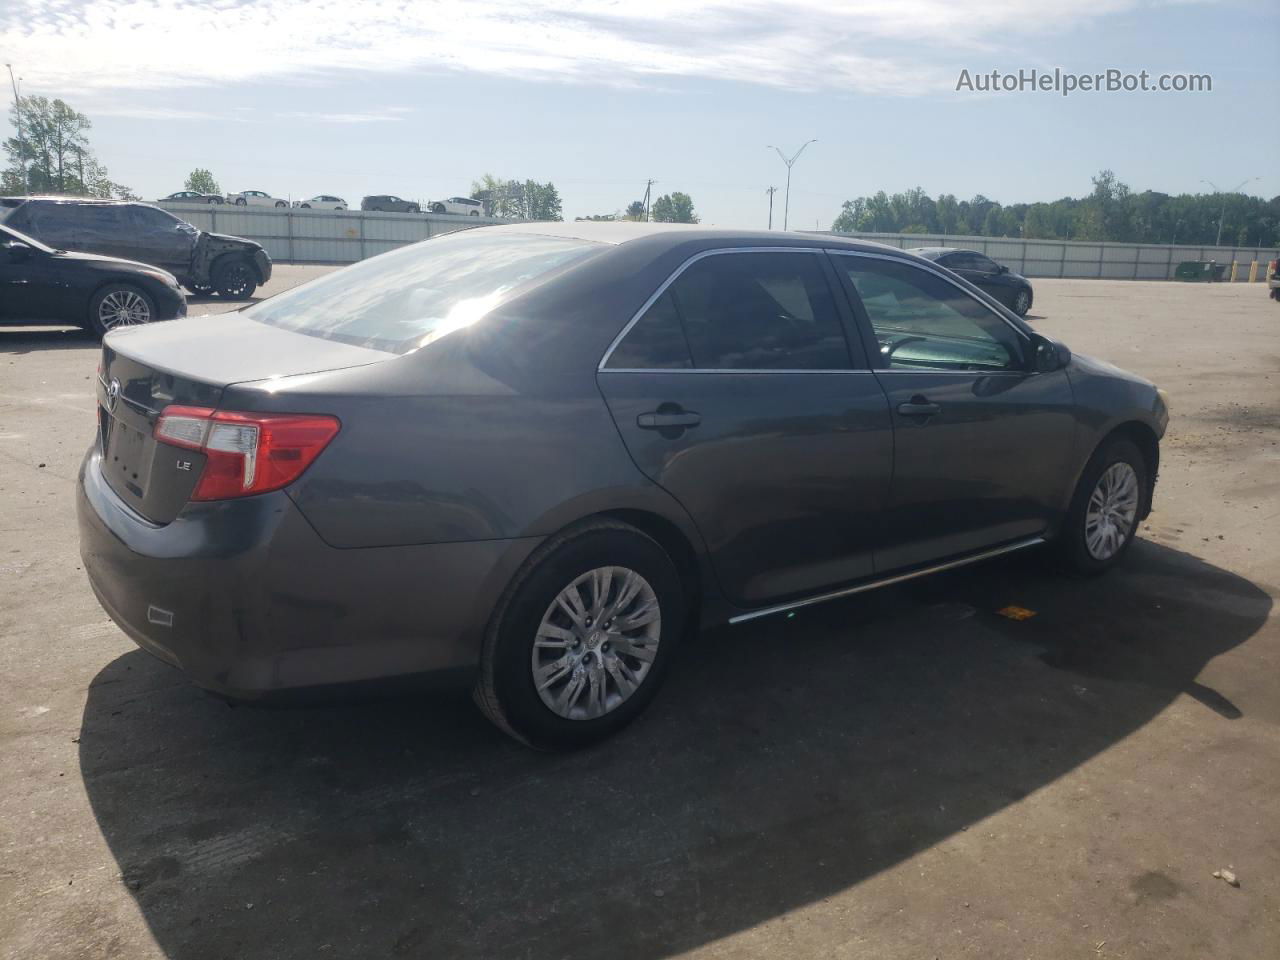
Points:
1095	535
414	208
234	278
119	305
524	645
280	203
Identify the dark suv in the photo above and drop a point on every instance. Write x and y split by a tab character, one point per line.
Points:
202	262
387	203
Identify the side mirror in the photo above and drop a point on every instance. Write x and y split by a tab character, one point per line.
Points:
1050	355
18	252
1001	268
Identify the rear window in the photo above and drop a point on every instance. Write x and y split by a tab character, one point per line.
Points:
404	299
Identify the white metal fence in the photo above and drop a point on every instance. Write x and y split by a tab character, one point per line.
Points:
1071	258
322	236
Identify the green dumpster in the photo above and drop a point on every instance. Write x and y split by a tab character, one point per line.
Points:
1199	271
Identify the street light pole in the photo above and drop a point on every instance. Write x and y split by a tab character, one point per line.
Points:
1223	213
17	120
771	191
786	209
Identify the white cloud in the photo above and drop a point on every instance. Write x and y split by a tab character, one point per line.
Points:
866	46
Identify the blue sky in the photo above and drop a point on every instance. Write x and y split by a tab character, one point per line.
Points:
307	96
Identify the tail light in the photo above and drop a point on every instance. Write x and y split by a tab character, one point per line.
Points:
248	453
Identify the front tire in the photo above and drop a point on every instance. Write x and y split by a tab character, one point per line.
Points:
1109	502
241	202
582	638
1022	302
119	305
234	278
437	208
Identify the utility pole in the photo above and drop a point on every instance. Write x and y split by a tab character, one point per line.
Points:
647	188
1223	213
771	191
786	209
17	119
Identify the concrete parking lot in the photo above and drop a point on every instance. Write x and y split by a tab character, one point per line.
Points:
905	774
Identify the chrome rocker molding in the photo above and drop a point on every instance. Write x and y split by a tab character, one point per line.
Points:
888	581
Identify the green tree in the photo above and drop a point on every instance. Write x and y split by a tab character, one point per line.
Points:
520	200
201	181
635	210
50	152
674	207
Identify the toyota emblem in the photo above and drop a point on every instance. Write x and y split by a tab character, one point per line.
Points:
113	394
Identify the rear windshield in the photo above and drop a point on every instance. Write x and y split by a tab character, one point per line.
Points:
404	299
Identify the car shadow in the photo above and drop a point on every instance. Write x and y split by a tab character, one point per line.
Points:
787	760
29	338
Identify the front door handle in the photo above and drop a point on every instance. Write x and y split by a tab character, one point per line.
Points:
918	406
668	421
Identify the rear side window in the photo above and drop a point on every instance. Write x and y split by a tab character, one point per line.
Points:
102	224
52	222
404	299
760	311
656	341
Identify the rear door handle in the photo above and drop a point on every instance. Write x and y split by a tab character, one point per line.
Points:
668	421
918	407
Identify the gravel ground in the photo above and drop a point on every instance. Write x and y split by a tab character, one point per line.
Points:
905	774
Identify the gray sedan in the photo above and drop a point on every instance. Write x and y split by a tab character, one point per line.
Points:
538	453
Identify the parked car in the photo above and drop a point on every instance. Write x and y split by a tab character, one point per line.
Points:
493	451
322	201
387	203
42	285
463	205
202	262
192	196
255	198
1011	289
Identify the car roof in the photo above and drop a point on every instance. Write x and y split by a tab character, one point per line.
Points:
56	198
617	232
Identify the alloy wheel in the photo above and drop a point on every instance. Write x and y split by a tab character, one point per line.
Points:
122	308
596	643
1022	304
1112	511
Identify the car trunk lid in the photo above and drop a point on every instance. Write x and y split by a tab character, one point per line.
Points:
189	363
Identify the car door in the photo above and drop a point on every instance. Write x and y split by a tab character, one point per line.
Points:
737	390
106	229
982	442
161	239
35	284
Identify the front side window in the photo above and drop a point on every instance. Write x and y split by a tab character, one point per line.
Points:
923	322
404	299
759	311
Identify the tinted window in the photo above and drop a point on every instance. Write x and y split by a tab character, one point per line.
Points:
655	342
922	321
760	311
99	225
153	220
969	261
53	223
406	298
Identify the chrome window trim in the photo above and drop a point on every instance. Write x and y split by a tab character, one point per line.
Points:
937	273
662	288
726	370
890	580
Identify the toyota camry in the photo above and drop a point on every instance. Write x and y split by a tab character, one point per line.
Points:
540	453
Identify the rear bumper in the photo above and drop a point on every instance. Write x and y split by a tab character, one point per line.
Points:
245	598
